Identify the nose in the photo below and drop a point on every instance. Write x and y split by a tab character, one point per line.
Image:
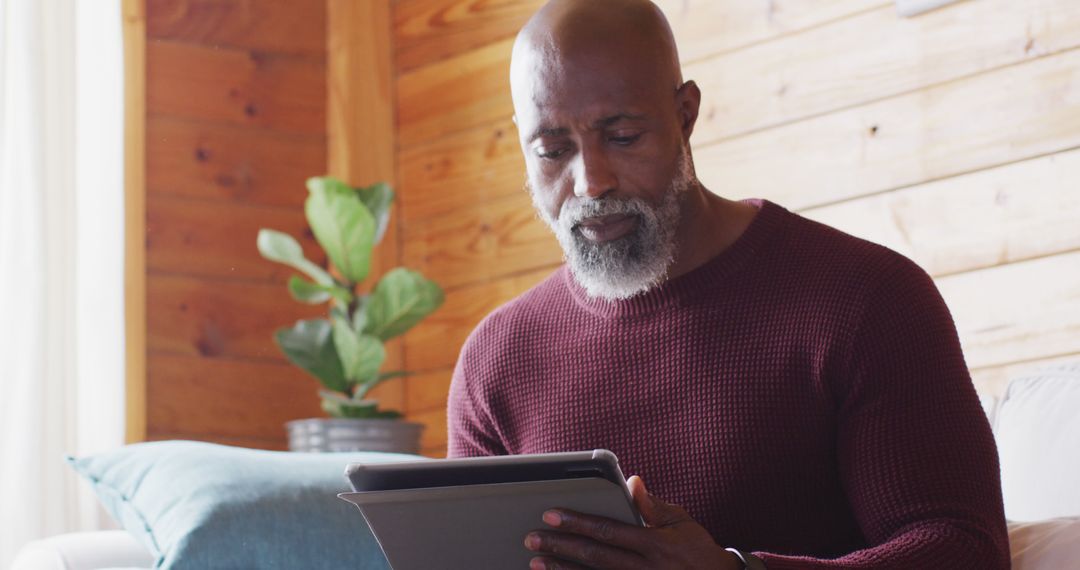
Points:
594	176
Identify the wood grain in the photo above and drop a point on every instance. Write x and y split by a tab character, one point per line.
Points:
434	436
196	238
491	240
1008	115
428	390
216	318
253	89
470	87
461	92
198	396
133	29
704	28
1018	312
214	161
992	217
428	31
281	26
870	57
435	343
459	171
944	131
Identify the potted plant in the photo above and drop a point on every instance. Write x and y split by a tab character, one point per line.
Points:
345	350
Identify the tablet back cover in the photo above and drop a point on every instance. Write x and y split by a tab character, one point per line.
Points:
478	526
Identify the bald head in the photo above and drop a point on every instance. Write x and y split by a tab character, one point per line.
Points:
634	32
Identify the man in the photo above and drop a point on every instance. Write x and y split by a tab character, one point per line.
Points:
799	392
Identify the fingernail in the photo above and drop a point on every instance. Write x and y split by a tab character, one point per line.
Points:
537	564
532	542
552	518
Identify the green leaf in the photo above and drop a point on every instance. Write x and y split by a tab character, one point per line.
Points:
361	355
314	293
283	248
307	292
363	389
359	316
378	198
401	299
309	345
340	406
342	225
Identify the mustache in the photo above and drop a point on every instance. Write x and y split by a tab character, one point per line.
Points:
574	212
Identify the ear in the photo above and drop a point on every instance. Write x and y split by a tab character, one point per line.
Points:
688	104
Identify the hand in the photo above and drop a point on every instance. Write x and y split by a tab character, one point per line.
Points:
671	540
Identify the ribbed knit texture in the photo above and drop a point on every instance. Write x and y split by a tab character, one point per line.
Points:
803	395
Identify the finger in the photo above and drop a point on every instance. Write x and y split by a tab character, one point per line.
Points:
655	510
583	550
602	529
641	498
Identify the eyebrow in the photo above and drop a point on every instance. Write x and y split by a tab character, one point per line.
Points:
543	131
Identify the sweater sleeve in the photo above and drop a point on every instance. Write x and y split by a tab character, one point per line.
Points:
915	452
470	431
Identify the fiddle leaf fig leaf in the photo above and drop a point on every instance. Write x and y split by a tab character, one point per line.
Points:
283	248
359	316
309	345
342	225
340	406
401	299
314	293
378	198
361	355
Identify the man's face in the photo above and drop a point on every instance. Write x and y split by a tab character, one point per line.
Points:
607	162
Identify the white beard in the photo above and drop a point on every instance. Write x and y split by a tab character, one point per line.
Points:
630	265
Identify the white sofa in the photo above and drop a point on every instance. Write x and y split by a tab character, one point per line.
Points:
1036	424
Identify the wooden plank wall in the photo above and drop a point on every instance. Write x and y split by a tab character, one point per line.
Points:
236	113
952	137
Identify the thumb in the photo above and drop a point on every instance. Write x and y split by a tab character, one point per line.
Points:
655	511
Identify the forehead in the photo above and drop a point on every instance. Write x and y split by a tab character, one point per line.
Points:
550	91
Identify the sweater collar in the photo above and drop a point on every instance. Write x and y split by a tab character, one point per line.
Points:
700	280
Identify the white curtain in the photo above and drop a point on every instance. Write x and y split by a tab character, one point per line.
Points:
61	259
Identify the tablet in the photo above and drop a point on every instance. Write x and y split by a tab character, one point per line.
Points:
475	512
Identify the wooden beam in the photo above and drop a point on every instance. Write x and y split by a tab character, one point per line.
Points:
361	129
134	31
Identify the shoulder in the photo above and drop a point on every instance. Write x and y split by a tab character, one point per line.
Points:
815	248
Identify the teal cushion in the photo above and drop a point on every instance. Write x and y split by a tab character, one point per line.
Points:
200	505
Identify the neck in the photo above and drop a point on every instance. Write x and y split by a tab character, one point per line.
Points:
710	224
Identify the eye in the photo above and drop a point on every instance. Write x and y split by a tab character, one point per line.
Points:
625	140
550	154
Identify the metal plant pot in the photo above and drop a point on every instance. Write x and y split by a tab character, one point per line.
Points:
341	434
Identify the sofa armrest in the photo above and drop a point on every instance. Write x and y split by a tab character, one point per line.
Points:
84	551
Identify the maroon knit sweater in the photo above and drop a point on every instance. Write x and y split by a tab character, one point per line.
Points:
802	395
